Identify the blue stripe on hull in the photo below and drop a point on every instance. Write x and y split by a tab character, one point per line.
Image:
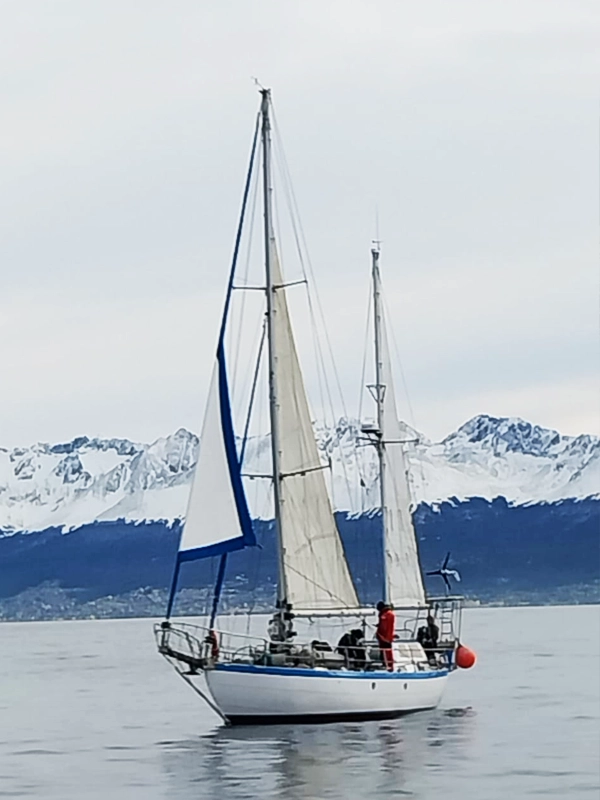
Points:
252	669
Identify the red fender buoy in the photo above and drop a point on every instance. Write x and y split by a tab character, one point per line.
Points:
465	658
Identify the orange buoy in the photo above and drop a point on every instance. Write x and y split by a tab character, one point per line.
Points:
465	658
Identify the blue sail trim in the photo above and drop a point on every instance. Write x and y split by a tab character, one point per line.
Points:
235	470
220	549
247	539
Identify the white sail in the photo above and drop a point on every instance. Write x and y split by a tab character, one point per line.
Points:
404	579
316	570
217	519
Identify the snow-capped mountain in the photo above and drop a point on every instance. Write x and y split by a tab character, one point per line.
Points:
105	479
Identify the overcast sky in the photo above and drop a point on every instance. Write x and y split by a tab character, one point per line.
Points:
472	126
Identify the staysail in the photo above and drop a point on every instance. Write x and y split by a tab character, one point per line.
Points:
217	520
316	571
403	571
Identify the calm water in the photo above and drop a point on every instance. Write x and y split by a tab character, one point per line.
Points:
89	710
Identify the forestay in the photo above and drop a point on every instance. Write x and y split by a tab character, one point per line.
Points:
404	579
316	570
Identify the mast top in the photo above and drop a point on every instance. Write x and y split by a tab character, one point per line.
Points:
264	108
261	88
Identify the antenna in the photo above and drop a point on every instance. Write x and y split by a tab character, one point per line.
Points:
376	242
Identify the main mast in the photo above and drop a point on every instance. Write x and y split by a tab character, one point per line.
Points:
379	399
269	237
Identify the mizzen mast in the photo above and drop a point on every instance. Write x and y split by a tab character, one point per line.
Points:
379	392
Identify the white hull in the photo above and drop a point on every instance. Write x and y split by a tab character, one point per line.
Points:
252	694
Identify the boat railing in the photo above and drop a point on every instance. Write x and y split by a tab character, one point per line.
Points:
200	647
192	648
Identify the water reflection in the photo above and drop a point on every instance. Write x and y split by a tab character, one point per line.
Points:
333	762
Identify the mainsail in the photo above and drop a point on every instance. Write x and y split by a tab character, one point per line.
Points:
317	576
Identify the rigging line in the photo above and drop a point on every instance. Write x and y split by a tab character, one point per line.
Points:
286	182
264	500
324	390
322	377
390	328
253	392
321	370
293	207
365	349
317	355
302	245
249	371
258	560
278	244
300	240
317	585
253	205
357	455
420	465
238	236
398	488
254	581
204	695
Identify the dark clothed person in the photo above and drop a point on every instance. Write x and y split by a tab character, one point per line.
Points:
428	636
351	646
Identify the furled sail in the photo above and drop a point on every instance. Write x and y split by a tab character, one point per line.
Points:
217	520
316	570
404	579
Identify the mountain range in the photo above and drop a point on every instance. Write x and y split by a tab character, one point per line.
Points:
71	484
90	527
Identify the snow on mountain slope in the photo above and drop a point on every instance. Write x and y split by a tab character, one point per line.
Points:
87	479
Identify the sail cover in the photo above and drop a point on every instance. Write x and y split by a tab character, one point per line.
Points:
404	579
316	570
217	520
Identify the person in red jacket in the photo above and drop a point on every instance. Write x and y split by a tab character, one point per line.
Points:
385	633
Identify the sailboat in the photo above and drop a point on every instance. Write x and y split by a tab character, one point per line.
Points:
277	677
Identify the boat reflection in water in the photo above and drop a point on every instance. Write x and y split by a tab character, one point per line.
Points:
412	756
